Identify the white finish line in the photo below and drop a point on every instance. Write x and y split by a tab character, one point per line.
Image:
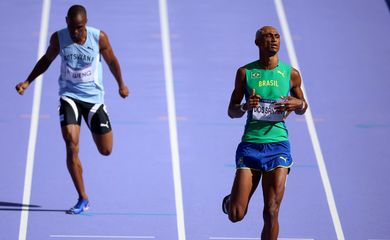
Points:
102	237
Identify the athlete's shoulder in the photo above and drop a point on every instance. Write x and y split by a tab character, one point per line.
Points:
54	38
62	32
63	37
93	29
94	32
283	64
251	65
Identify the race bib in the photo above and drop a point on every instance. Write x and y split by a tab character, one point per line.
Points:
77	76
266	112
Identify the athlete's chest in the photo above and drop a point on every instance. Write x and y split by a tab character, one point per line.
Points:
269	84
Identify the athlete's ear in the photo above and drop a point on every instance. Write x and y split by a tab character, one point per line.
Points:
257	42
66	20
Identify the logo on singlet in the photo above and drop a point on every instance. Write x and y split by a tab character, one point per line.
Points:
268	83
281	73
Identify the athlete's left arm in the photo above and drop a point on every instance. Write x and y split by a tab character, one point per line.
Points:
296	102
113	63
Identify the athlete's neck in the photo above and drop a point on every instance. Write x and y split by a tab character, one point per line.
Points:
82	38
268	62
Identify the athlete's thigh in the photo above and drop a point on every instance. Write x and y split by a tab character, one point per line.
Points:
96	117
70	119
100	126
244	185
273	184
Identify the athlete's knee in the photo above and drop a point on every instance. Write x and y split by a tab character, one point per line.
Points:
103	143
72	148
105	151
271	211
237	213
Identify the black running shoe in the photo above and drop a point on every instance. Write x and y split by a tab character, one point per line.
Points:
224	204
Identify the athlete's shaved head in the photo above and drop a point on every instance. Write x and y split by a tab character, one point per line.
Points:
261	31
77	10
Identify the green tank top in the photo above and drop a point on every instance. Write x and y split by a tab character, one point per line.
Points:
270	85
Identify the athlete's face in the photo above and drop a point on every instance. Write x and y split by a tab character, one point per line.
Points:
76	27
268	40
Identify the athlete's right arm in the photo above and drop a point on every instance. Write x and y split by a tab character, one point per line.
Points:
42	65
234	110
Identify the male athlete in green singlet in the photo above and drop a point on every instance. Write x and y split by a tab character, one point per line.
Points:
272	89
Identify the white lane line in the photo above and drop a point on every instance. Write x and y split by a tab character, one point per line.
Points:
295	238
34	124
310	125
248	238
102	237
232	238
166	47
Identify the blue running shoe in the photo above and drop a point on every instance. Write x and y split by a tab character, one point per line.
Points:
81	206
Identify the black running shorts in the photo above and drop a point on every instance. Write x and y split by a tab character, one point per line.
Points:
95	115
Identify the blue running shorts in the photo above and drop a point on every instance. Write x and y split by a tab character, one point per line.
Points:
263	156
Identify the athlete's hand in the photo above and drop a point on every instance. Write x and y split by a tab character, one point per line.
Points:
288	104
253	101
124	91
21	87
